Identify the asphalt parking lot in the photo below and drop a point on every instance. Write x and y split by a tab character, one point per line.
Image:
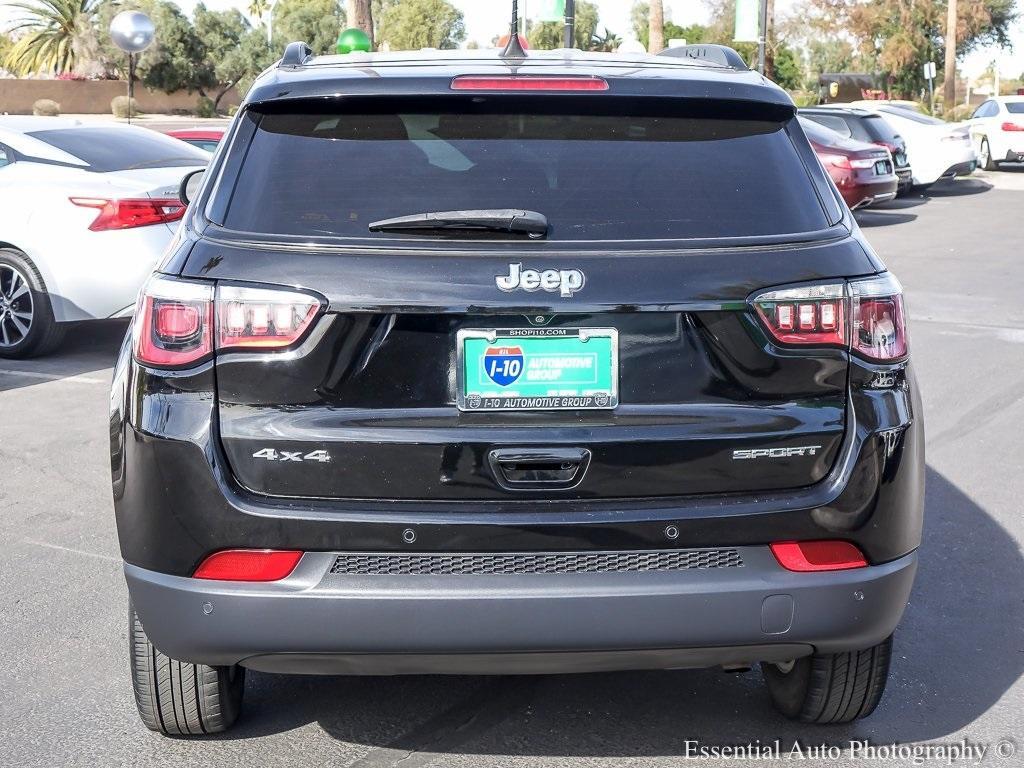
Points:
959	656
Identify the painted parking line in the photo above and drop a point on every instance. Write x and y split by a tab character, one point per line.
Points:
79	379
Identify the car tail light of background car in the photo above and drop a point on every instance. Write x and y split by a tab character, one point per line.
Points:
864	316
847	163
181	322
958	134
129	213
1008	126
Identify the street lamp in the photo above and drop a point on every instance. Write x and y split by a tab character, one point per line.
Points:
132	32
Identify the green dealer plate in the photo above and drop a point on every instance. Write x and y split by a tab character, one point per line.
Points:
532	369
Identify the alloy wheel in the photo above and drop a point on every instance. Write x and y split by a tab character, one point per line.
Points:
16	307
983	155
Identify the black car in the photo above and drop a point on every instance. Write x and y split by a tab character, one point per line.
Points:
866	126
474	363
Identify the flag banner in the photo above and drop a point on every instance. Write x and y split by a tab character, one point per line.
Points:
747	21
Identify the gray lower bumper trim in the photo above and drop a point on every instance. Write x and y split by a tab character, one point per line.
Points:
314	621
522	663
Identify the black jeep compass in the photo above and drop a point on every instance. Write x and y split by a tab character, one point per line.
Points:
470	363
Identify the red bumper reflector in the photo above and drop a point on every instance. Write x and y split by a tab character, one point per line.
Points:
248	565
528	83
808	556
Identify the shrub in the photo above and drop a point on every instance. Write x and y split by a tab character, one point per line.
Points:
232	110
204	107
960	112
46	108
119	106
804	98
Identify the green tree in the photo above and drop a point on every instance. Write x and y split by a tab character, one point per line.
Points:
548	35
896	38
49	35
414	24
829	55
258	8
609	41
788	68
234	52
694	33
316	22
175	60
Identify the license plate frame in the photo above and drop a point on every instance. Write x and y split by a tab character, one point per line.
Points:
483	396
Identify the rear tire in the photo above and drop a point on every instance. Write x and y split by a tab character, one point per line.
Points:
831	687
27	325
985	157
176	698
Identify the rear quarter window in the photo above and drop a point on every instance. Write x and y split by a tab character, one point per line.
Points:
595	177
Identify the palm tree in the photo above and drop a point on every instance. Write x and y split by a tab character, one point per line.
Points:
608	42
51	31
258	9
656	19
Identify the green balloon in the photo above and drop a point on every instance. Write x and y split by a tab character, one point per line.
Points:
352	40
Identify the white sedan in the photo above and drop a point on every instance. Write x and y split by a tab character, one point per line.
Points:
936	149
86	211
997	128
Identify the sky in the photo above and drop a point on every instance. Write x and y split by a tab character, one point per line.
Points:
486	18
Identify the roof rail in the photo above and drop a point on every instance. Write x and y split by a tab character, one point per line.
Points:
296	54
722	55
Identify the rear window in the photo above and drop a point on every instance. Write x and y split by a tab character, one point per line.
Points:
819	134
108	150
909	114
879	129
1015	107
595	177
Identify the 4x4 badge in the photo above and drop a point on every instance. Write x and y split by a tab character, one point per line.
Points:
565	281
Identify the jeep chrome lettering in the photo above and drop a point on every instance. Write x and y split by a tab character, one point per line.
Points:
776	453
565	281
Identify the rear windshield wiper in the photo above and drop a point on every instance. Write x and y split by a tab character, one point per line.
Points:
511	220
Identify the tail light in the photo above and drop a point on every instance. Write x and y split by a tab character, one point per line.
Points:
248	565
864	316
847	163
810	556
130	213
180	322
1008	126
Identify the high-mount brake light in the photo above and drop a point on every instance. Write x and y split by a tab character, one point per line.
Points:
131	213
528	83
180	322
865	316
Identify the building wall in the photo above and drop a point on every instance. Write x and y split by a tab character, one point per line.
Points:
94	96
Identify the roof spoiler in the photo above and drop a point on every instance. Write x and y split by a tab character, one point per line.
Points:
296	55
722	55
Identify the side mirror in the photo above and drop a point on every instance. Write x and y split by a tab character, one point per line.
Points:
190	186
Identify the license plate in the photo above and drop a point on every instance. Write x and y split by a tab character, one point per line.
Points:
882	168
532	369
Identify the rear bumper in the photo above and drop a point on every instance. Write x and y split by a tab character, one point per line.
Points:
965	168
316	622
